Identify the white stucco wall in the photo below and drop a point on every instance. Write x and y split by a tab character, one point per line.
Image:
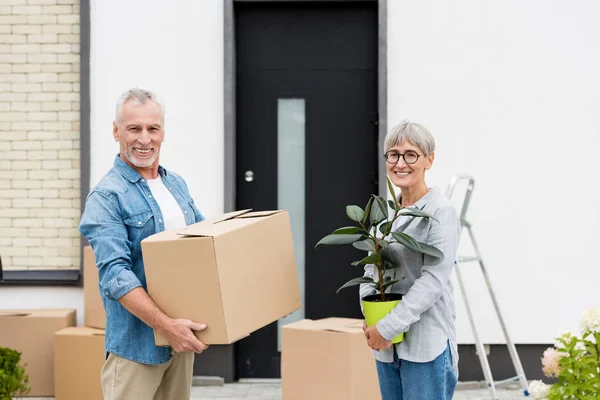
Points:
511	92
175	49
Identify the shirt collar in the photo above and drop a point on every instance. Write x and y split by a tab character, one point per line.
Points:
420	204
131	174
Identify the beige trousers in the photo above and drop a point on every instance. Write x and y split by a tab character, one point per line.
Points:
128	380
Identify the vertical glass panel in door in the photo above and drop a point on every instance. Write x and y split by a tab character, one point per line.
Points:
291	146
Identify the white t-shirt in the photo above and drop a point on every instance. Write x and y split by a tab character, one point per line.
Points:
172	214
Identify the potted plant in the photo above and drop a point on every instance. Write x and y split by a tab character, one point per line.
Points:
13	378
374	235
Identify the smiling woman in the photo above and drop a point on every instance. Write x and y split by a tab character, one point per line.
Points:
425	364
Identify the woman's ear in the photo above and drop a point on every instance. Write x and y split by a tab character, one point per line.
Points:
429	159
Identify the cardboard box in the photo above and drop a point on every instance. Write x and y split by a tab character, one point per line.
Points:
93	309
327	359
236	273
78	359
32	333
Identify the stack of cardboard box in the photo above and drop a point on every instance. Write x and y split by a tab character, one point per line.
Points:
79	351
31	332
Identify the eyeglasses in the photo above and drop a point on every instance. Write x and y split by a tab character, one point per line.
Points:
410	157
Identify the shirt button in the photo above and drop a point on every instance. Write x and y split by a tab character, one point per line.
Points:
143	180
150	196
160	220
139	222
106	293
185	212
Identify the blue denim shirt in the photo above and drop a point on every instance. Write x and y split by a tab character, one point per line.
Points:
119	213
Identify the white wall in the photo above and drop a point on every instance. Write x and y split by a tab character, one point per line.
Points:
43	297
174	48
511	92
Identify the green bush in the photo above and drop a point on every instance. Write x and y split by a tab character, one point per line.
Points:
13	378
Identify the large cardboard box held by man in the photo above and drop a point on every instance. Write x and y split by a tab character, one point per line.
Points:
31	332
327	359
236	273
78	359
93	309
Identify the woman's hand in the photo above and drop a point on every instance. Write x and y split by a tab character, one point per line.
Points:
375	340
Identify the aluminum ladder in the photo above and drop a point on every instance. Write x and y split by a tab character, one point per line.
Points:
485	366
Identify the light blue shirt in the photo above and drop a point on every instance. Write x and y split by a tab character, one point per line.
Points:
119	213
426	312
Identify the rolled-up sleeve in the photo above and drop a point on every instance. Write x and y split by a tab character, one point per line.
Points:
434	276
102	225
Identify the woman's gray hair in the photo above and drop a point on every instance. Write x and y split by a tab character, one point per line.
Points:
141	96
412	132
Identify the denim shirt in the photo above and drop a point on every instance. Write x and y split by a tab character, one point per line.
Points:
119	213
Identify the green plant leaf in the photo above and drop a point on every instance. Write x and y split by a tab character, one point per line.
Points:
355	213
355	282
383	243
393	204
367	210
407	241
370	259
388	284
376	213
383	228
347	230
430	250
366	245
391	188
382	205
415	212
339	239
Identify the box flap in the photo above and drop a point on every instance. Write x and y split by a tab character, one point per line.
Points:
13	314
38	313
257	214
81	331
343	325
203	228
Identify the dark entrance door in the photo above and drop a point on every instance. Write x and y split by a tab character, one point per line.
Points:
306	141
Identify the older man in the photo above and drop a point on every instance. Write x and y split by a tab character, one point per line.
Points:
135	199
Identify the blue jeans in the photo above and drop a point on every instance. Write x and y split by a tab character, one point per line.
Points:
406	380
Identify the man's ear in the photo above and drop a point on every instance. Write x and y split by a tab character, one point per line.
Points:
115	131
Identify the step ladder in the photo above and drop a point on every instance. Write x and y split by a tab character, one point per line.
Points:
485	366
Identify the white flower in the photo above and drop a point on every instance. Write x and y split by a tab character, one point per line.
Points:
590	321
538	389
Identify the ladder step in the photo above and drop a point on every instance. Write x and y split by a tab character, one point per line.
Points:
508	380
468	259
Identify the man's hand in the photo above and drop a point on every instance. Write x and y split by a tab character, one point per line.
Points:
374	338
180	334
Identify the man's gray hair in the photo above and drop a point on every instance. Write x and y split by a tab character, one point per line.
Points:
412	132
141	96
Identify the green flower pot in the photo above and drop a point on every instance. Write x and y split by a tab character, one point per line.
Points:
375	309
